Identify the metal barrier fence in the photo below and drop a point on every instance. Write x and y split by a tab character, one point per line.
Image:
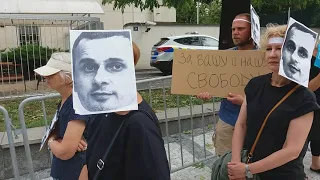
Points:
172	109
27	43
24	129
7	122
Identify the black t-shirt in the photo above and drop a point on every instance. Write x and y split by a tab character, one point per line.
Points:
261	98
314	71
138	151
68	169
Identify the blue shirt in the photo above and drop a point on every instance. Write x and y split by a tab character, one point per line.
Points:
68	169
229	112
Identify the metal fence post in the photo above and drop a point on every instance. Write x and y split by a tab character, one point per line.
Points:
30	40
24	129
11	143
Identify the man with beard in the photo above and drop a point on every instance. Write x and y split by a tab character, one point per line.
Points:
230	106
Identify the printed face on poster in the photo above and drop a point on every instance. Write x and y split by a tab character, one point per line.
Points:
296	52
255	26
48	132
103	71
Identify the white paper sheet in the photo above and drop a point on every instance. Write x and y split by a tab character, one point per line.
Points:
103	71
296	52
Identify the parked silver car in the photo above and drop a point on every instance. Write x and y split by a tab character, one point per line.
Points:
162	51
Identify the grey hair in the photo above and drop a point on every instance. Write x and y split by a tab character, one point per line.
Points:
66	77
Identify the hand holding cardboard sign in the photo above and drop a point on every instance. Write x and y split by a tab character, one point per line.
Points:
204	96
235	98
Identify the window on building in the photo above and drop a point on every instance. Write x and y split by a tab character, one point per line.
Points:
29	35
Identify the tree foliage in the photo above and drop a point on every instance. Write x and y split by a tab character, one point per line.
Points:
305	11
150	4
281	5
210	10
209	13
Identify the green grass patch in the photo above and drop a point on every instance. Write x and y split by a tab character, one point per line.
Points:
209	146
199	165
34	116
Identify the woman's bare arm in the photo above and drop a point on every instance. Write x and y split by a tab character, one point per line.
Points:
314	84
239	133
84	173
65	148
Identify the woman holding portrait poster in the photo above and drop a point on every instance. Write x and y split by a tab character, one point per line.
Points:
126	145
282	127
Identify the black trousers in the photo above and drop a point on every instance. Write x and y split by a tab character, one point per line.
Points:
315	147
314	136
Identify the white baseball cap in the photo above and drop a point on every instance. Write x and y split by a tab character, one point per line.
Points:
59	61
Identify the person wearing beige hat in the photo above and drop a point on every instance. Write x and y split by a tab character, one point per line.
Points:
67	140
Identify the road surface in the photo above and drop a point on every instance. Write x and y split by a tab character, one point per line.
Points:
149	74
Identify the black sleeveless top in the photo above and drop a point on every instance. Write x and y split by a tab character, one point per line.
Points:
261	97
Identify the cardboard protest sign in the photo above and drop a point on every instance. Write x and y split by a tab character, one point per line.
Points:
218	72
255	26
103	71
296	52
48	132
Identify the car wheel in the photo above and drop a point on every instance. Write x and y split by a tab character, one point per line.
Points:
170	67
165	72
168	70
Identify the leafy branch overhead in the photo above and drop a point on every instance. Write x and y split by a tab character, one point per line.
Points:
282	5
150	4
269	5
210	10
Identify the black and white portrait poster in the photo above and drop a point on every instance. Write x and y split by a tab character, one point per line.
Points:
255	26
48	132
103	71
297	52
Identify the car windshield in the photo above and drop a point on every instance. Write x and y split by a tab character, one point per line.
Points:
162	41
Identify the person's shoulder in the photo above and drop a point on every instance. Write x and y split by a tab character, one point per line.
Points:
144	116
303	101
261	79
305	94
255	84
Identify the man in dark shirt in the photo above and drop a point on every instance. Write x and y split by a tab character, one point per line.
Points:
230	106
314	84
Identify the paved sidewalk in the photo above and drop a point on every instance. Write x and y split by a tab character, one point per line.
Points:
202	147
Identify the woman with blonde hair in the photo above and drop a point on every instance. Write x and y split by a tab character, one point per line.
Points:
281	146
67	141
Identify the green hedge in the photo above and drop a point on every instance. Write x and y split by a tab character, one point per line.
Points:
32	56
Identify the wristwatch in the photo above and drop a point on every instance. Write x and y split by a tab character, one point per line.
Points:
248	172
50	140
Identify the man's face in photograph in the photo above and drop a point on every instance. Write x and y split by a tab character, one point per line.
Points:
101	68
255	28
296	54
